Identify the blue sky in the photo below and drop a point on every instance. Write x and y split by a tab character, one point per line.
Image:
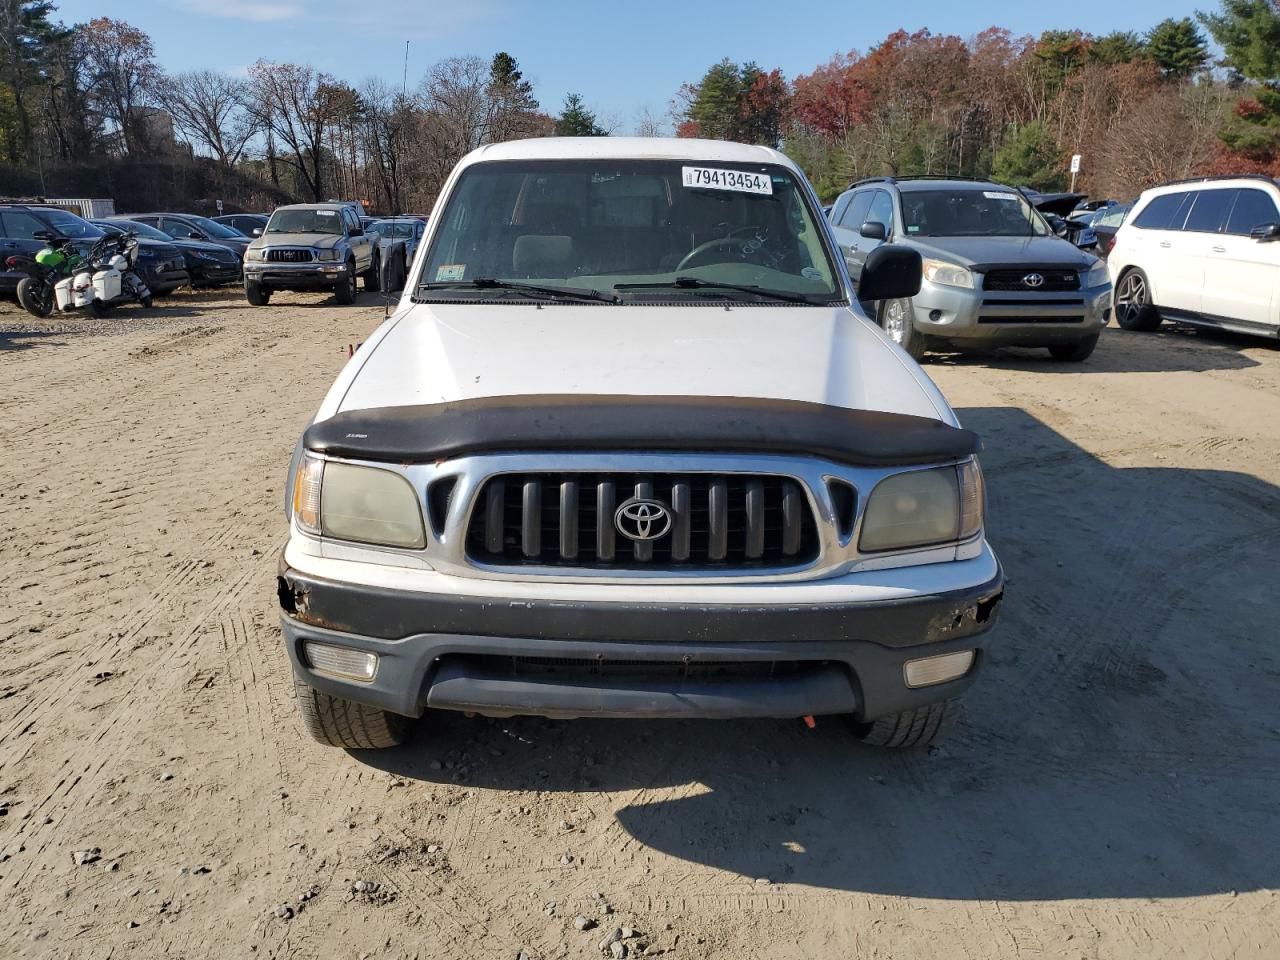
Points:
622	57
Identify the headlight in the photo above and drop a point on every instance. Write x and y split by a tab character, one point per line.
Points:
364	504
948	274
331	254
255	253
924	507
1097	275
202	255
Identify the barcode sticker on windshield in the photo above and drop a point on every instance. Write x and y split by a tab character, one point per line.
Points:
326	213
999	195
451	271
739	180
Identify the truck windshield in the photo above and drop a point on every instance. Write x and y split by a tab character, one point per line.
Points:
305	221
970	213
636	230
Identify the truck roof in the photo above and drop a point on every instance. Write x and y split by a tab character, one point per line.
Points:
627	148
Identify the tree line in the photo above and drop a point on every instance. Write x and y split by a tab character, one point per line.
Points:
1142	108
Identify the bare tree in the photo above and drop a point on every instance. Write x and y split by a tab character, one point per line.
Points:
122	67
647	125
208	109
297	105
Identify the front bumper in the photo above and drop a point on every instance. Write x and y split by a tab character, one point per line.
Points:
552	657
987	318
160	282
295	276
212	273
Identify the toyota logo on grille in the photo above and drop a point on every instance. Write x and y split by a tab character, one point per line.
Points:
643	519
1034	279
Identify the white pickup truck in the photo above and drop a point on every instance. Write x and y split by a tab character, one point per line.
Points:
629	448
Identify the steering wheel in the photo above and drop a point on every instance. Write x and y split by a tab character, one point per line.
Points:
717	244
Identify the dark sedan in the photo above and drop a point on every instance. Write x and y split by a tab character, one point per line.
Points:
159	261
190	226
1106	222
208	264
250	224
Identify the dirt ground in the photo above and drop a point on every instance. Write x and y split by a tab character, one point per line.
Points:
1110	790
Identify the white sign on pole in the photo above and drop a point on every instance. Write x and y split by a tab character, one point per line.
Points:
1075	163
219	202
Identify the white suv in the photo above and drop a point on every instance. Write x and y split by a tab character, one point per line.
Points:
1204	252
628	448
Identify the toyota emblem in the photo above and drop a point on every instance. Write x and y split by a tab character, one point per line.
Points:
642	519
1033	280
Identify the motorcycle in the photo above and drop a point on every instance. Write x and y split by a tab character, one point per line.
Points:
58	260
107	278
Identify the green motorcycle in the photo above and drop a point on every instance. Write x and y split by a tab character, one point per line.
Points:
57	261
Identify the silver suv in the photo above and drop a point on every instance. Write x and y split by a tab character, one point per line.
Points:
994	272
312	246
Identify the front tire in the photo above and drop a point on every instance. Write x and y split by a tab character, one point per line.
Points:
36	297
910	728
1074	352
897	318
344	723
1132	304
345	291
257	294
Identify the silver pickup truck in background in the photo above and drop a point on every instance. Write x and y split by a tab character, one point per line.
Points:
313	246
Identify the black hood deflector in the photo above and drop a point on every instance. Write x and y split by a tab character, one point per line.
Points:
577	422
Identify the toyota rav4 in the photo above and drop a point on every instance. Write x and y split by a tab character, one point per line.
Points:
629	448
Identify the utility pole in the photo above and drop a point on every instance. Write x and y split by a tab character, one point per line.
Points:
404	84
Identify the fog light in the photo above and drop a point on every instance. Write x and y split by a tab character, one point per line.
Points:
930	670
341	661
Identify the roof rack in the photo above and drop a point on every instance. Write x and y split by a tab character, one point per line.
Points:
923	176
1221	176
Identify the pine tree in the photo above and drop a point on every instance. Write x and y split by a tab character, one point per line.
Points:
1178	48
576	120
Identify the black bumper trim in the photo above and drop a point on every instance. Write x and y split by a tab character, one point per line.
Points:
393	614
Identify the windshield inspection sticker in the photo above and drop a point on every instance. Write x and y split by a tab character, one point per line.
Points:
998	195
739	180
451	271
326	213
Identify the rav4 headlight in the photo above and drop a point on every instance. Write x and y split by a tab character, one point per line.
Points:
1097	275
363	504
331	254
948	274
922	508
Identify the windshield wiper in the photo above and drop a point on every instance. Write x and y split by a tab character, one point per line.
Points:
697	283
492	283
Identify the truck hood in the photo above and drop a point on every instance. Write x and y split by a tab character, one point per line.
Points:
1004	251
321	241
436	353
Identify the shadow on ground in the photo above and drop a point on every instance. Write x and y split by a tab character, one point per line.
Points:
1171	349
1124	741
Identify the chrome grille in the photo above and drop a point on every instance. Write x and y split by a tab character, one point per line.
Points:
1054	279
567	520
287	255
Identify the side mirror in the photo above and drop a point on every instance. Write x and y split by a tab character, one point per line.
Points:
873	230
257	231
1265	231
357	232
197	235
890	272
44	235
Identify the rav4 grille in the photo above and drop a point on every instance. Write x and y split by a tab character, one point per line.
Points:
670	521
1024	279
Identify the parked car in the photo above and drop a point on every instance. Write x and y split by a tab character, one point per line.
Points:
409	229
207	264
1085	209
249	224
1106	222
312	246
1204	252
557	482
188	226
995	274
159	262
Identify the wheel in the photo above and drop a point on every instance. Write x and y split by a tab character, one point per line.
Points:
345	291
1074	352
146	302
896	317
911	728
102	309
1132	304
257	294
373	278
36	297
344	723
